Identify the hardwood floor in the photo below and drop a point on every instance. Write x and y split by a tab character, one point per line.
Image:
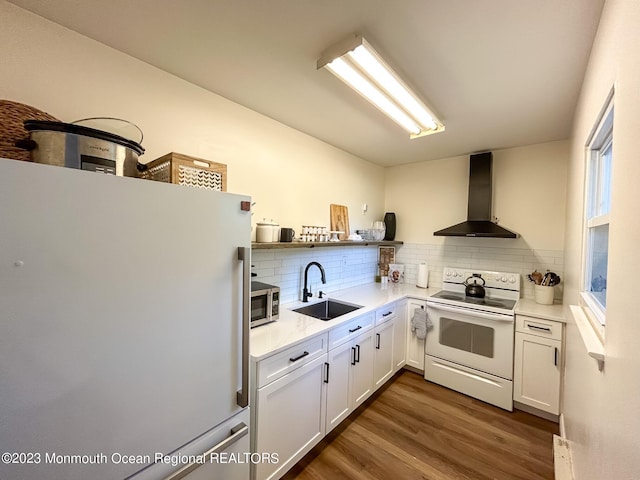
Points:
414	429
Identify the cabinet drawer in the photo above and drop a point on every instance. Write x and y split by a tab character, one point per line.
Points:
350	330
385	313
539	327
276	366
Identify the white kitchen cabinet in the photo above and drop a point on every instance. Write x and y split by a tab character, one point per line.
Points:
290	417
415	345
349	379
538	363
305	391
361	378
280	364
386	312
400	336
338	401
351	329
383	361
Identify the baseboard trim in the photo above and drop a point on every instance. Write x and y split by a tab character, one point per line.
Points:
562	466
563	432
413	369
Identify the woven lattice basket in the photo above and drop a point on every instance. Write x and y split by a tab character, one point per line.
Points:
12	117
184	170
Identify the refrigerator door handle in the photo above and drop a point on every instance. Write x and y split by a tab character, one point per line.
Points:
242	398
237	433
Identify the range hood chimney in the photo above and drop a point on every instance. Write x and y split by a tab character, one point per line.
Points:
479	223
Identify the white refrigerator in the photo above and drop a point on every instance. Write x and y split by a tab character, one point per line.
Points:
124	327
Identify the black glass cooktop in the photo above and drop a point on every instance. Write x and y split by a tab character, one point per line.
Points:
486	302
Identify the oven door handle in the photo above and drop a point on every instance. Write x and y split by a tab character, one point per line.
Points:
475	313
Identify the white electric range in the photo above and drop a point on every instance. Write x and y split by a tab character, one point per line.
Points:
470	348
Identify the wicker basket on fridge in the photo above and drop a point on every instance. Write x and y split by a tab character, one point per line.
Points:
12	117
185	170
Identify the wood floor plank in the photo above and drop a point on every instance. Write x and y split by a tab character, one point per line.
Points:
414	429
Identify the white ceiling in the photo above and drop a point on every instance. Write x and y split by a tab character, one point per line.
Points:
500	73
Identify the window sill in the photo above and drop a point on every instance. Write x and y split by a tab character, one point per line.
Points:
591	340
594	313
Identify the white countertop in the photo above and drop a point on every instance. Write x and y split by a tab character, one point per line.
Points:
555	312
292	327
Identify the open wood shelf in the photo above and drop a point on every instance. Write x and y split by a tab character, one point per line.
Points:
342	243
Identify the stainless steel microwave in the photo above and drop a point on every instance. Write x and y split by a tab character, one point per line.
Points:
265	303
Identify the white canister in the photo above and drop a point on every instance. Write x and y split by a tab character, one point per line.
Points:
423	276
543	294
264	233
276	232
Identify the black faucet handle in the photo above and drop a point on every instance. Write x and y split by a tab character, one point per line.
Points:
320	294
306	293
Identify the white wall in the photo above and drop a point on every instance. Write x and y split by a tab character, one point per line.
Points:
529	185
292	176
602	410
529	188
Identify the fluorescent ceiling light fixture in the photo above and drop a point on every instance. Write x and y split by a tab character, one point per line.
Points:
356	63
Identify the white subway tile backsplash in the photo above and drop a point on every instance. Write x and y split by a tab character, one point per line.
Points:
344	267
351	266
264	272
518	260
270	263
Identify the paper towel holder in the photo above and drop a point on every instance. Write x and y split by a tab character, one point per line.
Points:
423	276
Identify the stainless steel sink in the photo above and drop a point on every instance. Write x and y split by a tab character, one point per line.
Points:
327	310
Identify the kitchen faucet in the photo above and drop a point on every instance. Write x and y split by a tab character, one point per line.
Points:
305	292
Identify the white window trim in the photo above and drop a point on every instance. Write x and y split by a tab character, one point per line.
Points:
596	139
597	221
594	314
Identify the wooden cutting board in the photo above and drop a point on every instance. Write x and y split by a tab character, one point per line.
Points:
340	220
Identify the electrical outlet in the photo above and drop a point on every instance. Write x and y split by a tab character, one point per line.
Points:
365	207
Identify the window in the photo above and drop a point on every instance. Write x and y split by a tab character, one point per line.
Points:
596	221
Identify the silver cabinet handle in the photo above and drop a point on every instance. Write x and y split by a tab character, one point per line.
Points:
242	397
237	433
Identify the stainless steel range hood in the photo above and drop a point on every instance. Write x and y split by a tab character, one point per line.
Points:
479	219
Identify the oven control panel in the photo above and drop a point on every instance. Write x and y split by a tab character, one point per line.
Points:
494	279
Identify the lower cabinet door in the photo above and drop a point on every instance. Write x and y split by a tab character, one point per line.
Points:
400	337
337	379
415	345
536	372
291	418
362	369
383	353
